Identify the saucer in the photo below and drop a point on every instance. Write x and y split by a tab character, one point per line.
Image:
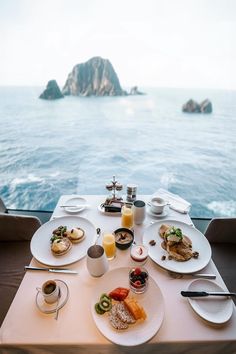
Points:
213	309
51	308
162	215
75	201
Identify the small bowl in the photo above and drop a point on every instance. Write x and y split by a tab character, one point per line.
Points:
138	280
124	238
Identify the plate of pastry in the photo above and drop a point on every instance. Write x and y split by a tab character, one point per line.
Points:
63	241
177	246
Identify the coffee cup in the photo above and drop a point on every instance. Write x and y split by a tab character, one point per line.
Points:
97	263
157	205
139	209
50	291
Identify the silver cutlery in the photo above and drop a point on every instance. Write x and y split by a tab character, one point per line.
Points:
205	293
75	206
98	230
53	270
192	275
57	308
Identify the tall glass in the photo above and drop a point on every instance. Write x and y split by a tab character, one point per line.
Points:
109	245
127	216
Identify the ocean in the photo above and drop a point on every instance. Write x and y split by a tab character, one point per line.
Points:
76	145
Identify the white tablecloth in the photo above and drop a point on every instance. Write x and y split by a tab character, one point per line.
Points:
27	330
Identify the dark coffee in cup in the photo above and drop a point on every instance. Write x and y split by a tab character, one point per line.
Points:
49	287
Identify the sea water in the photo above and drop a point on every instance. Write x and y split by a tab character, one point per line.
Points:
76	145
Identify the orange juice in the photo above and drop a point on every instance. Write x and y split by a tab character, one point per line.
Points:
109	245
127	217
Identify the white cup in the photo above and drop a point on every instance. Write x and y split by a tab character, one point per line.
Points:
139	210
97	263
157	205
50	291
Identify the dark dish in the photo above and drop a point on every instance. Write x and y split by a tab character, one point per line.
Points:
124	238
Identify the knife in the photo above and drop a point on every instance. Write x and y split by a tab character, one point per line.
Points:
53	270
75	206
204	293
194	275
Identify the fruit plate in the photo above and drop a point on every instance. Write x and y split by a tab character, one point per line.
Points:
152	302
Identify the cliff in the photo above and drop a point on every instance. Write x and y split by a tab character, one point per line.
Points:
95	77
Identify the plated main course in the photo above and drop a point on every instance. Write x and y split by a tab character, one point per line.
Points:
63	238
177	245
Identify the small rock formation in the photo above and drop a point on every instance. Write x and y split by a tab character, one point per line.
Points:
52	91
194	107
206	106
134	91
95	77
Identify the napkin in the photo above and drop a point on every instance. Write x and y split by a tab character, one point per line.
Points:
176	202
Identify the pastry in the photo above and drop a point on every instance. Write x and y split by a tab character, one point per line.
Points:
60	246
75	235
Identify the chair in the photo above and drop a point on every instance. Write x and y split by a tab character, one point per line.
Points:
221	233
16	232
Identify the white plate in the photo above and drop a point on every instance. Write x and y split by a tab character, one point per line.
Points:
159	216
75	201
199	244
50	308
214	309
41	248
102	210
152	302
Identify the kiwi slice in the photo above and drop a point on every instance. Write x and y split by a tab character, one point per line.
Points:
105	304
98	309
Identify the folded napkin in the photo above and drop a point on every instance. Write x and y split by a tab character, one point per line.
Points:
176	202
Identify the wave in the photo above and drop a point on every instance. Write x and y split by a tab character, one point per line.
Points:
223	208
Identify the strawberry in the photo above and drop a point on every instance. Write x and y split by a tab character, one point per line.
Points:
137	271
137	283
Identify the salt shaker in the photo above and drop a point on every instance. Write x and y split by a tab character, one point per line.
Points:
131	192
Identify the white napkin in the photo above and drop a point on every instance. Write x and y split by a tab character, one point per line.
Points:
176	202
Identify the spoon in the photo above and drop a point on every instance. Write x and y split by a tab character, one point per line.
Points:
57	308
98	234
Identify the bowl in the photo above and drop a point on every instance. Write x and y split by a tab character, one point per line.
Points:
124	238
138	280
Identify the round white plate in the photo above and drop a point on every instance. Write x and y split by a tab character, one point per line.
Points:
199	244
50	308
158	216
75	201
152	302
214	309
41	247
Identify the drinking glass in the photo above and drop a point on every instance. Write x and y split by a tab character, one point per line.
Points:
109	245
127	216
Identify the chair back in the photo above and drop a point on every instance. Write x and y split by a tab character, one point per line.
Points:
221	230
3	208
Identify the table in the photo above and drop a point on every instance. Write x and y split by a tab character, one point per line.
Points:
27	330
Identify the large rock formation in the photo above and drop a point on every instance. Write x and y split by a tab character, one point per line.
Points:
193	107
52	91
95	77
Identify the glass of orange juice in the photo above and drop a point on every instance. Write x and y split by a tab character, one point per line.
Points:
127	216
109	245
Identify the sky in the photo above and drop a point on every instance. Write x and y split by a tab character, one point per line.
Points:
158	43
